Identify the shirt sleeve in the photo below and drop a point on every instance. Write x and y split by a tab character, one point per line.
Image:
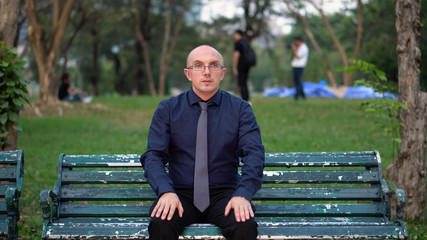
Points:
252	153
157	155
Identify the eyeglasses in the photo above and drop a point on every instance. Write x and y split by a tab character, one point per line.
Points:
201	67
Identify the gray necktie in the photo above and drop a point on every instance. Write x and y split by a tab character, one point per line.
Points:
201	177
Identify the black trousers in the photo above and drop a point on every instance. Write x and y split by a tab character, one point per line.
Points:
165	230
298	82
243	74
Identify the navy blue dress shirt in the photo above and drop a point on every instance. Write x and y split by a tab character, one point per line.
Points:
233	133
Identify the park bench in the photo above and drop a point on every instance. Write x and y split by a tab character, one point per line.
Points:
329	195
11	177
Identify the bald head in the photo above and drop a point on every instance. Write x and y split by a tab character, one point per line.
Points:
204	49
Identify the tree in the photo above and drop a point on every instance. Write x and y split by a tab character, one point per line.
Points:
338	45
255	13
11	86
409	169
47	50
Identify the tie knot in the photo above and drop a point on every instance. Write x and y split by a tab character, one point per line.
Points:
203	106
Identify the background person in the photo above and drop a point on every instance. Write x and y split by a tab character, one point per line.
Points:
68	92
240	67
232	133
299	61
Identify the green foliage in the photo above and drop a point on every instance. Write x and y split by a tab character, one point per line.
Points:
13	91
386	109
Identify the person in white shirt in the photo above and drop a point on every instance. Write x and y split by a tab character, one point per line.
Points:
299	61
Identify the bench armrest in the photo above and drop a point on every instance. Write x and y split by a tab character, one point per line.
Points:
49	204
12	201
400	196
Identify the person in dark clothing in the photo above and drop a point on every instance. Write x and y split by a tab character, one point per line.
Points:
230	132
67	92
240	68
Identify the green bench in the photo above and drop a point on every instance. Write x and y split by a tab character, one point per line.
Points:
337	195
11	177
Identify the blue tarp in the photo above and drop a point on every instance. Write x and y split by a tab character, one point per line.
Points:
321	90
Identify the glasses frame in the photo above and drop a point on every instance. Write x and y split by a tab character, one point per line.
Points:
204	67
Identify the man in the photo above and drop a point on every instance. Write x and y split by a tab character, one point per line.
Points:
232	133
299	61
67	92
240	67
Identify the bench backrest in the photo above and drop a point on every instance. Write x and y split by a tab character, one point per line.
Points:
11	174
340	184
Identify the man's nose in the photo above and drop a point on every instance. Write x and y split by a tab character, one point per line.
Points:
207	70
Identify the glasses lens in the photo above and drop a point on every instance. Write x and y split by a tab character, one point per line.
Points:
212	67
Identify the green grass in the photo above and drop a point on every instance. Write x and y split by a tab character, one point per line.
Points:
120	125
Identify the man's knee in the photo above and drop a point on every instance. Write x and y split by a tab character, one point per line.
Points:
164	229
242	230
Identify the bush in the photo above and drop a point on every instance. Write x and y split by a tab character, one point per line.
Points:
13	92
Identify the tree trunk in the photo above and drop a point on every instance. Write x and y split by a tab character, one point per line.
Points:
166	55
47	55
314	43
344	58
141	39
359	34
9	11
409	170
166	35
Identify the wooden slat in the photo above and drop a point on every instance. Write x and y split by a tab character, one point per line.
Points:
8	174
4	187
140	231
97	177
320	193
3	207
292	193
325	159
123	160
319	210
3	226
332	232
262	221
9	157
104	210
262	210
107	194
321	176
280	176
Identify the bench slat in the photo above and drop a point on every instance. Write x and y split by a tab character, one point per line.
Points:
9	157
265	193
325	232
112	177
319	210
270	176
124	160
319	193
321	176
203	231
262	221
3	227
3	207
107	194
318	159
4	187
262	210
8	174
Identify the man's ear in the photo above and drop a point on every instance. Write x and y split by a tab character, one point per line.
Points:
188	74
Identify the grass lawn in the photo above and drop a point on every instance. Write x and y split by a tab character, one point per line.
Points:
120	125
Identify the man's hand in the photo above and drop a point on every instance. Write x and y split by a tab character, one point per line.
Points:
242	209
166	206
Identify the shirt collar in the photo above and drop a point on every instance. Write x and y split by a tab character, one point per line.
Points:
193	98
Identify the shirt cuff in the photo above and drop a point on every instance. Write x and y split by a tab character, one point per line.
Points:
240	192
